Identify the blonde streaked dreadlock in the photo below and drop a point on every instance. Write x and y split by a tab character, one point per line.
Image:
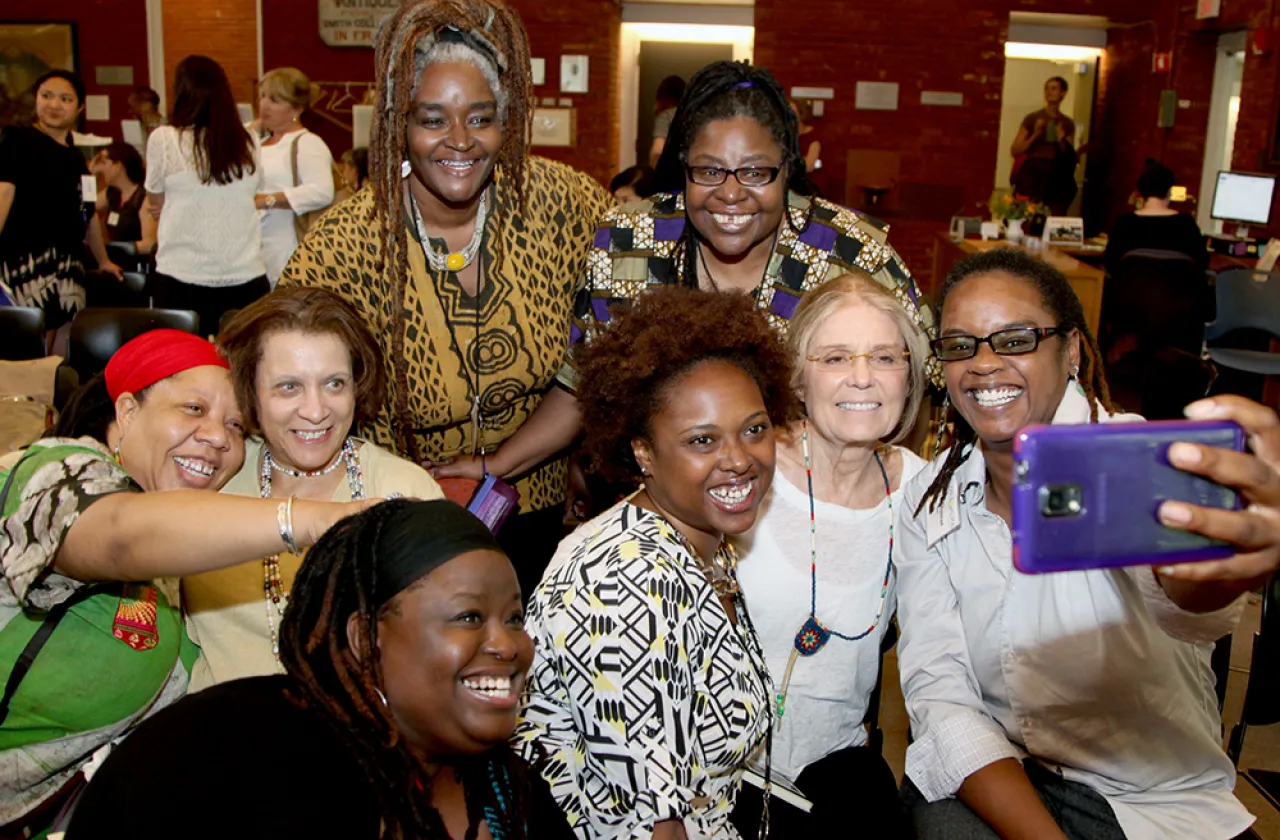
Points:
495	26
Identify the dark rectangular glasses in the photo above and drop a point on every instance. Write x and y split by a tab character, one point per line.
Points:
748	176
1014	342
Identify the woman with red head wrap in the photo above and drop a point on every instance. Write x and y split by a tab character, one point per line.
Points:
90	646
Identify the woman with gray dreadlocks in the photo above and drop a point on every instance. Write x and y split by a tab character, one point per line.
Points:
465	256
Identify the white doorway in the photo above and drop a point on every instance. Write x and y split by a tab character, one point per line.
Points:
1220	140
672	24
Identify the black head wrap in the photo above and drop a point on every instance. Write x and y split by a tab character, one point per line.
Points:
420	536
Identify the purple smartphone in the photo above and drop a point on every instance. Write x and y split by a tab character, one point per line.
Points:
1085	497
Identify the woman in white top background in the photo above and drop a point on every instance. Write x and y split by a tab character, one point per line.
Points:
203	170
297	166
817	567
1078	704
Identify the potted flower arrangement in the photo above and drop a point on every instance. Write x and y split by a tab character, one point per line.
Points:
1013	210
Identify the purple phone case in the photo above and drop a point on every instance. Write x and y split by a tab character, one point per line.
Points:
493	501
1123	474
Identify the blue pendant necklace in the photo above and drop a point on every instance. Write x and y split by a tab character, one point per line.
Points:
813	634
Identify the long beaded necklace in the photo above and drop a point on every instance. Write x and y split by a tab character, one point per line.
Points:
272	583
813	634
457	260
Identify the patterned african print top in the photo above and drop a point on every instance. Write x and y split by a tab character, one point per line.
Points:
534	262
638	246
644	700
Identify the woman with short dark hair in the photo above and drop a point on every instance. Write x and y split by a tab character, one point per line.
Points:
1156	224
123	199
307	372
203	170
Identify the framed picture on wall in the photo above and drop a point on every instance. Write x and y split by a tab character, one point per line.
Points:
554	127
28	49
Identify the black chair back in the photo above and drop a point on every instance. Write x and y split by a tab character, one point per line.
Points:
21	333
96	334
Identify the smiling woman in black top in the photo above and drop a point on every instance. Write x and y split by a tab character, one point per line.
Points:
42	223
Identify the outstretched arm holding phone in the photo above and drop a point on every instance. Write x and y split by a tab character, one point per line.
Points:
1254	530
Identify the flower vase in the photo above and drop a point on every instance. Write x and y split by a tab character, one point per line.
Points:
1013	230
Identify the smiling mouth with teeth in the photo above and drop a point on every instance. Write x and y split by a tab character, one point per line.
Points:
492	686
995	397
732	495
192	465
311	435
732	219
858	406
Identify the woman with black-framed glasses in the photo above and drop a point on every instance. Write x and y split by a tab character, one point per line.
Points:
1077	704
735	212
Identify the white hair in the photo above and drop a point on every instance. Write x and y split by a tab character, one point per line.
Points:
430	50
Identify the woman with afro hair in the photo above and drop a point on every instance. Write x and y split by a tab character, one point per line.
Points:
649	688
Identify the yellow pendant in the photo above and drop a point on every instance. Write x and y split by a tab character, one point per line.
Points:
455	261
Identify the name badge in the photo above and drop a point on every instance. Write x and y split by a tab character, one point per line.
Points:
113	219
943	519
88	189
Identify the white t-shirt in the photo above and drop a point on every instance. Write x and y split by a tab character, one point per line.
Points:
208	233
829	691
314	192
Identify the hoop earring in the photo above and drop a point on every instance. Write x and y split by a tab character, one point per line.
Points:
381	696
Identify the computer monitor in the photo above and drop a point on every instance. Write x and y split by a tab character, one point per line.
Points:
1243	197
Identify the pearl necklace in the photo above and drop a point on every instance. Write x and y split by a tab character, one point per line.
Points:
813	635
272	583
457	260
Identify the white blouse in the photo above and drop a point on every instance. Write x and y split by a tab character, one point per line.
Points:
829	691
1096	673
208	233
313	192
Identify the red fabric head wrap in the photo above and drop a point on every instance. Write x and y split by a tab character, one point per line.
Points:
156	355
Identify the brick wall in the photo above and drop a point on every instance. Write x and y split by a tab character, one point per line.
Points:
952	151
225	31
572	27
108	33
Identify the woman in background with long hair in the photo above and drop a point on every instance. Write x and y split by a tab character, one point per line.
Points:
203	170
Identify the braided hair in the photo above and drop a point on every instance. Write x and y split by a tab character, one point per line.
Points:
723	90
493	31
1060	299
338	579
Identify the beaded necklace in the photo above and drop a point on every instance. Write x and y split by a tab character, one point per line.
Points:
272	583
813	634
457	260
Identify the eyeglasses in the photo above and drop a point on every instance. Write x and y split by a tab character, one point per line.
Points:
1015	342
876	359
748	176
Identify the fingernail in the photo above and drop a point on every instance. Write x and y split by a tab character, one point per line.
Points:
1168	570
1202	409
1183	455
1175	513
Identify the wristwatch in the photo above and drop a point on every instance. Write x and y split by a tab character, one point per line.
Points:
270	200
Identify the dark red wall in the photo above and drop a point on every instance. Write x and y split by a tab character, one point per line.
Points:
108	32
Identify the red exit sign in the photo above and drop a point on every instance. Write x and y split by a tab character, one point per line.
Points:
1161	62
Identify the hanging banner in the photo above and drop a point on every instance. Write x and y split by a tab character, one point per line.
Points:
352	23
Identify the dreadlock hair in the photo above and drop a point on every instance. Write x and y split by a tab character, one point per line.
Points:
90	411
1060	299
723	90
494	39
338	579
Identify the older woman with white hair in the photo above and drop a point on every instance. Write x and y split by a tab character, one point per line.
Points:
297	167
817	568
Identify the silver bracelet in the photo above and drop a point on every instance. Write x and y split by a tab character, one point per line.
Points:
284	518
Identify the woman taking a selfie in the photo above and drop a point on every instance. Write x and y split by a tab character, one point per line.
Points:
649	688
1078	704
